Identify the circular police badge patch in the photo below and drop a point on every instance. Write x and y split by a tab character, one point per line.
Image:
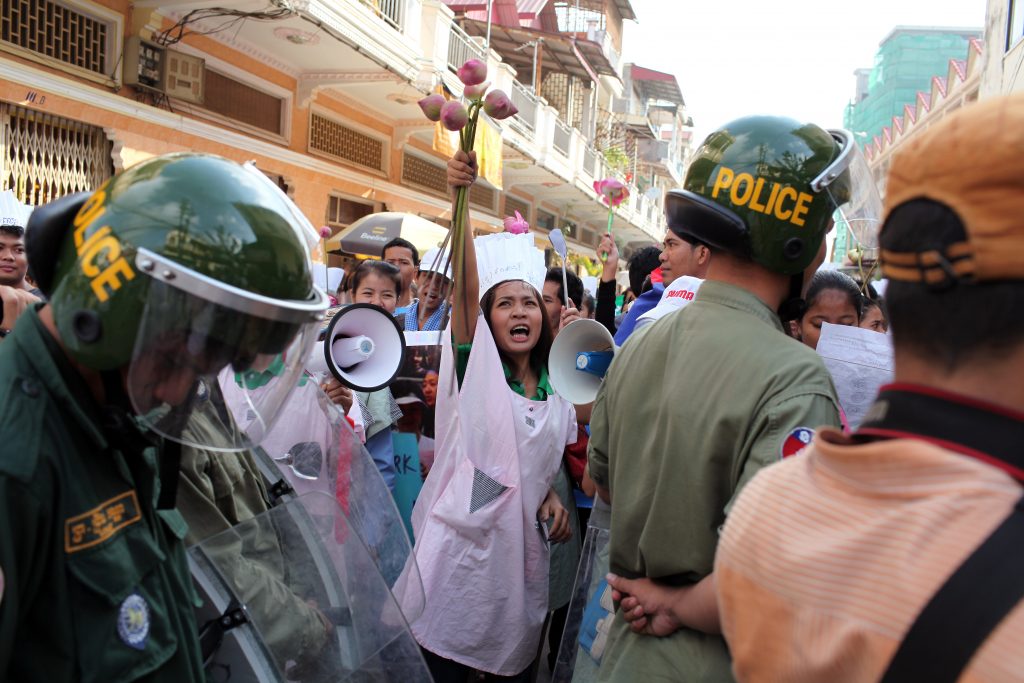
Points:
798	439
133	621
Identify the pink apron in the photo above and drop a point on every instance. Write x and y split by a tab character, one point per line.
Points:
482	556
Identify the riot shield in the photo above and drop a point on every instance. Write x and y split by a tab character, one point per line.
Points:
295	595
312	448
590	610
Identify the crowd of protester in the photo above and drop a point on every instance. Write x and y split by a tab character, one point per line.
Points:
754	535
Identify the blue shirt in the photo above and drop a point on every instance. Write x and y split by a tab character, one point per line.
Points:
644	303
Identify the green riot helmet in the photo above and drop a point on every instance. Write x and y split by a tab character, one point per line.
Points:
768	189
193	273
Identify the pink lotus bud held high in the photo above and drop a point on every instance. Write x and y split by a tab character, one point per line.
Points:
476	92
612	191
325	232
473	72
454	115
517	225
431	106
498	105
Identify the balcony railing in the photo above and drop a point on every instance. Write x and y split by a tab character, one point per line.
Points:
388	10
563	133
526	102
590	161
461	48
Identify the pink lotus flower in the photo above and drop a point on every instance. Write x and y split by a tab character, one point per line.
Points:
431	106
498	105
517	225
613	192
476	92
473	72
454	115
325	232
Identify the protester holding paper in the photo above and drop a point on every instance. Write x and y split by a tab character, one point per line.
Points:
832	297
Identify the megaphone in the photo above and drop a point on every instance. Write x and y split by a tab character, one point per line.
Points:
579	360
363	347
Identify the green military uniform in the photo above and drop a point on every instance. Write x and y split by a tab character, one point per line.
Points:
96	586
690	410
220	490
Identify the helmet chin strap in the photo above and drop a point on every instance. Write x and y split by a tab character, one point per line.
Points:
792	306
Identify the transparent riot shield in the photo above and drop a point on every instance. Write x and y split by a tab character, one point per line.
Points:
590	610
312	448
295	595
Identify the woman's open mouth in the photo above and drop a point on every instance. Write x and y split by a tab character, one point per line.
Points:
520	333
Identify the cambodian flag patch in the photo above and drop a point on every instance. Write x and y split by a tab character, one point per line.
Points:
798	439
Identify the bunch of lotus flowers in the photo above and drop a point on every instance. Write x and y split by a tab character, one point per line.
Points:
613	192
457	116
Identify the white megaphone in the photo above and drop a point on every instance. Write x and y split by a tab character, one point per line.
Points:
363	347
579	360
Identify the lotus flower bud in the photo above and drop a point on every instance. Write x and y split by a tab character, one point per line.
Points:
476	92
454	115
613	192
325	232
431	106
473	72
517	225
498	105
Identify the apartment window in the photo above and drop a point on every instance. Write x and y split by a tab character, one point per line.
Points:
1015	30
241	102
73	34
420	172
336	140
342	212
44	157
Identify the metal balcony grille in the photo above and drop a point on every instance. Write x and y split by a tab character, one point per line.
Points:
417	171
341	142
242	102
57	32
512	205
44	157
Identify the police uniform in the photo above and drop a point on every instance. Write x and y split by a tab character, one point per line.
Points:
690	410
96	586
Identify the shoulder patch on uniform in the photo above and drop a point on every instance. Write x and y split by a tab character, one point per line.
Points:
102	522
133	621
797	440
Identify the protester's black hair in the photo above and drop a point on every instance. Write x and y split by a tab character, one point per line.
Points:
640	266
825	280
539	353
589	303
13	230
572	279
380	268
953	324
399	242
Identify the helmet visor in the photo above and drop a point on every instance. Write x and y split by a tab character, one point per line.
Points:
851	187
210	376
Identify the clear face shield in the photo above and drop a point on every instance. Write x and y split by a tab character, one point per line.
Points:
212	363
849	183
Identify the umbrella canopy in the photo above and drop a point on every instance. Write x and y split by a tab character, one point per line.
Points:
369	234
13	212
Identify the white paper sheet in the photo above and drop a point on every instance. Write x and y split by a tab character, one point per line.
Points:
860	362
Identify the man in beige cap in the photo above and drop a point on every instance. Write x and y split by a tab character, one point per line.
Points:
896	553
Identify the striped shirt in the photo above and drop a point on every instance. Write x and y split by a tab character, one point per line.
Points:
827	558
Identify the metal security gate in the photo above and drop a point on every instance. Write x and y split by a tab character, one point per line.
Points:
44	157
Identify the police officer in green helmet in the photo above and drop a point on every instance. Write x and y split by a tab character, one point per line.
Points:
697	403
183	278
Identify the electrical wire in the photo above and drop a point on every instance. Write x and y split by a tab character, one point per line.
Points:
176	33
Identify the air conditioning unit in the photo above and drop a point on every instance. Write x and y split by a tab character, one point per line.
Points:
621	105
154	67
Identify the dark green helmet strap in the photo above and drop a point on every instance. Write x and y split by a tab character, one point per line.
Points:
792	307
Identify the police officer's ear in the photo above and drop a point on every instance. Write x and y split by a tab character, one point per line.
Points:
45	234
794	330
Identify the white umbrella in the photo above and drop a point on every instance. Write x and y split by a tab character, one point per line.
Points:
13	212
